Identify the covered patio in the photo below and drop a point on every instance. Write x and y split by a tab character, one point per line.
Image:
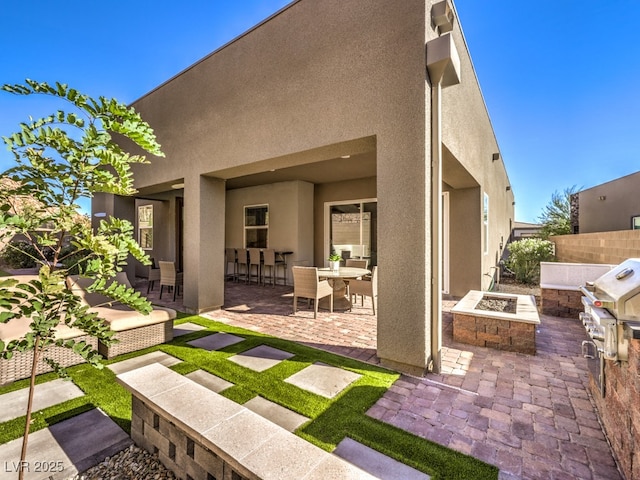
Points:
531	416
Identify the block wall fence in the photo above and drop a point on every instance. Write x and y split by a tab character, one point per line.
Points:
601	247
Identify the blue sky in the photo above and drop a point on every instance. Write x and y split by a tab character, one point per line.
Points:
560	77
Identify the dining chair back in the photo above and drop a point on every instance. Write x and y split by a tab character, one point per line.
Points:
306	284
152	277
170	278
356	262
366	288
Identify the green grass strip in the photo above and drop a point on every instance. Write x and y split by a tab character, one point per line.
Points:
331	420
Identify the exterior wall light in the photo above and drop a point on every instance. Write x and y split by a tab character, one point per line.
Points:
495	156
442	17
508	187
602	197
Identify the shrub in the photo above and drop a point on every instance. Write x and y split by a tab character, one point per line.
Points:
525	257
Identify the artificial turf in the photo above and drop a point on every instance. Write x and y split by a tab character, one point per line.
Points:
331	420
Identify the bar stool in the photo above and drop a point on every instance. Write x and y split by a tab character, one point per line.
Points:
243	264
230	257
269	261
254	260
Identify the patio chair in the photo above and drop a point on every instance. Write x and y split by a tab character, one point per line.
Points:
169	277
230	258
306	284
365	288
272	263
153	276
254	261
357	263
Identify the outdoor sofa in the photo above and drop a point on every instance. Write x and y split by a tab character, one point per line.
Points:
19	365
134	331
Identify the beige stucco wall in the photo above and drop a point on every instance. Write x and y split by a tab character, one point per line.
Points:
468	134
290	218
315	77
621	202
332	192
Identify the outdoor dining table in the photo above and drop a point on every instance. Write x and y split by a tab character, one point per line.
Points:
336	279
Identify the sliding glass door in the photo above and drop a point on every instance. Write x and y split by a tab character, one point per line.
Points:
351	229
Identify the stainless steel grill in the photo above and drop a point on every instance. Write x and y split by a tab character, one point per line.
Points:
611	316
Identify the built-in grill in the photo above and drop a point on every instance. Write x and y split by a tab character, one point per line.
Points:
611	316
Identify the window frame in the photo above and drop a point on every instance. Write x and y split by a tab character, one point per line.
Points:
246	228
145	227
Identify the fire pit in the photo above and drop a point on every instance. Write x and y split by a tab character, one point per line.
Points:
496	320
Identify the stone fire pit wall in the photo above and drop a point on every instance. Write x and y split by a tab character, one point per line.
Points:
499	330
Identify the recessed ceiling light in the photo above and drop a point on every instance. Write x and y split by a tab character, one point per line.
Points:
345	156
177	186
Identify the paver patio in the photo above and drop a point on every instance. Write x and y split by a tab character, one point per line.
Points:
531	416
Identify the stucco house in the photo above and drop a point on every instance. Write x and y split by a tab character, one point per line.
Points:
329	112
610	206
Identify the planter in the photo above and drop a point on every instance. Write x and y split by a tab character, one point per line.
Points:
334	265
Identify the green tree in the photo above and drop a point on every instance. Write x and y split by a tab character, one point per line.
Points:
556	215
61	159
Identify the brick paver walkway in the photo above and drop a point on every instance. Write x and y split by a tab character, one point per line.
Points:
531	416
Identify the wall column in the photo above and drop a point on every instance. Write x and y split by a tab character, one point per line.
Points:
204	226
105	205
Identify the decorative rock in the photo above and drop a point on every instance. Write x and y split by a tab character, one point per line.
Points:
133	463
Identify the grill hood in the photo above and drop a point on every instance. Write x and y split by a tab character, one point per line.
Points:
619	290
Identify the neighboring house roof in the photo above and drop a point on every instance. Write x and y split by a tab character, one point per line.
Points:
518	225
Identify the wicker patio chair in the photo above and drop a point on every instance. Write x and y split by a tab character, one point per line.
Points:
306	284
169	277
366	288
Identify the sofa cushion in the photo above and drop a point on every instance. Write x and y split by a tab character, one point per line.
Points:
121	317
17	328
79	285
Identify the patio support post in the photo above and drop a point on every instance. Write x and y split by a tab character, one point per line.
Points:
204	243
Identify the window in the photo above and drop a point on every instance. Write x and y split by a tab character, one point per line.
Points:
145	227
256	226
485	223
351	229
635	222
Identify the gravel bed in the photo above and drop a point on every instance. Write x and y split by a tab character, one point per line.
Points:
133	463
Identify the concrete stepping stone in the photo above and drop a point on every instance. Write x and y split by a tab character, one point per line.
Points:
287	419
66	448
376	463
212	382
323	379
216	341
186	328
261	358
143	360
14	404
